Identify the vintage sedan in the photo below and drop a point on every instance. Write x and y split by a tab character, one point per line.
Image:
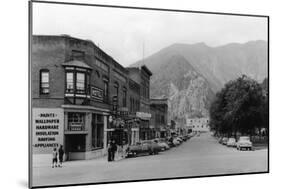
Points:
231	142
224	140
244	143
176	142
143	147
179	139
162	143
220	140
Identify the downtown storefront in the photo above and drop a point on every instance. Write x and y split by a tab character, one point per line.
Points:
80	129
85	132
123	128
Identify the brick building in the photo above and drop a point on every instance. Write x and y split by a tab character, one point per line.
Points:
141	75
159	113
134	107
84	88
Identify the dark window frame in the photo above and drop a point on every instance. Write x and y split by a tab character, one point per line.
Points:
105	89
116	91
124	97
87	79
41	88
81	91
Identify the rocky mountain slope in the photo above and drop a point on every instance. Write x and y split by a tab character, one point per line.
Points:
190	75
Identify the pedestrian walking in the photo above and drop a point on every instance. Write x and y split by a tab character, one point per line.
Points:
124	149
55	158
61	153
109	151
113	150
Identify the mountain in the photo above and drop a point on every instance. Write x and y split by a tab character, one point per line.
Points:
190	74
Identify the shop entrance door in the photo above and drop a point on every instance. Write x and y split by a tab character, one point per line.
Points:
75	146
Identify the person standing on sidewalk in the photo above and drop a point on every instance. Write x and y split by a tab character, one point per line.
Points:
61	153
55	158
113	150
109	151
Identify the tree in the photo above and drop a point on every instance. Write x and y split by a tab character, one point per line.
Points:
238	107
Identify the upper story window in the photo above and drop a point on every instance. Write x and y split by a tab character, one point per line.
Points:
102	65
69	82
44	82
120	76
77	82
77	78
105	93
80	83
116	91
124	98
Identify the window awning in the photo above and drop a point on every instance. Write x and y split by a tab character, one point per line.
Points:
76	63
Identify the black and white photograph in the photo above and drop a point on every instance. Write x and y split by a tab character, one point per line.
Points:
125	94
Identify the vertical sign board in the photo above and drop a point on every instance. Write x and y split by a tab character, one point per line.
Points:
47	129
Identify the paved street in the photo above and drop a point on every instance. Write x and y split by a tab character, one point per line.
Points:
199	156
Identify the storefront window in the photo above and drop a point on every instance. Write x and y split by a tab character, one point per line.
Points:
97	131
76	121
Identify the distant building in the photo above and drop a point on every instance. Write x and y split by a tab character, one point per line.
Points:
198	124
134	107
159	116
141	75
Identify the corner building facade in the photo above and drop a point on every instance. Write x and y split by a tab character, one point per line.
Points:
89	87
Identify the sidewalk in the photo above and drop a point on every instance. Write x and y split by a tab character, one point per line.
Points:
45	160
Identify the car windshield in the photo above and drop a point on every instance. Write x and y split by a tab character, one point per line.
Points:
147	142
244	138
231	140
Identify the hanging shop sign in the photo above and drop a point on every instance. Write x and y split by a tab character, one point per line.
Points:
97	93
143	115
47	129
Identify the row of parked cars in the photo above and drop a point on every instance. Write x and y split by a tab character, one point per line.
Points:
243	142
155	146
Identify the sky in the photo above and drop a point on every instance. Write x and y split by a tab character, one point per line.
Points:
129	35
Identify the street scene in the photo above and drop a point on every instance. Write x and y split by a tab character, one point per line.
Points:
163	97
200	155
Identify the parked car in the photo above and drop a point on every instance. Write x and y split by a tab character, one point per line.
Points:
220	140
244	143
143	147
224	140
185	137
188	136
179	139
231	142
162	143
176	142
